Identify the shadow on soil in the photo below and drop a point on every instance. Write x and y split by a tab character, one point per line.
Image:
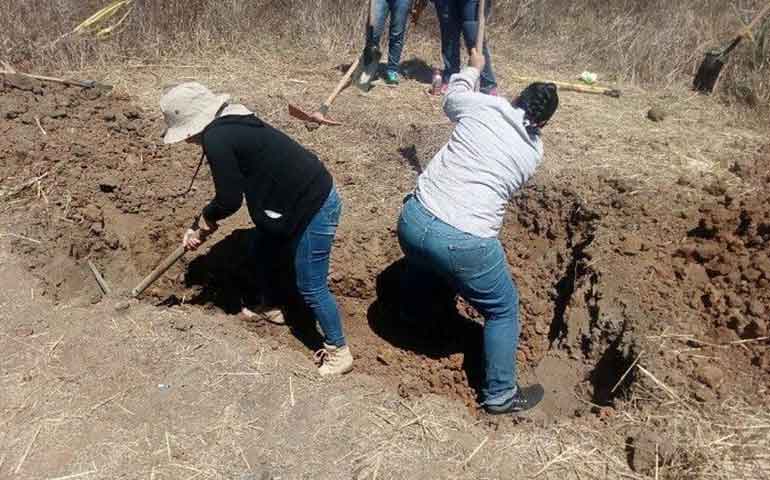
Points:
409	153
418	70
226	278
413	69
439	334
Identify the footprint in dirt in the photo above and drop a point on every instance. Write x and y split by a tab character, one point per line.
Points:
558	376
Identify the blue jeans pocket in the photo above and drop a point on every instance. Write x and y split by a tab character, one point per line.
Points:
333	214
465	259
330	211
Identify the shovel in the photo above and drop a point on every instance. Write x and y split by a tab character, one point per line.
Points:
711	66
158	271
319	116
146	282
370	58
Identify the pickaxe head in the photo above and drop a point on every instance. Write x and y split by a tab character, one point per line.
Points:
319	116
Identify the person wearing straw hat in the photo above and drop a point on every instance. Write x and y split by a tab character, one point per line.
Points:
449	226
291	199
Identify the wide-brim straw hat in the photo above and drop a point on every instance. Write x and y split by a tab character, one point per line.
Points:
188	109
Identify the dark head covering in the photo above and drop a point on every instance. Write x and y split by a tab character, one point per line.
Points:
539	102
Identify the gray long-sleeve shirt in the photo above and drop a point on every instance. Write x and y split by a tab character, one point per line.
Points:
488	158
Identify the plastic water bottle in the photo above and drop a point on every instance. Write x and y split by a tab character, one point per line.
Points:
436	82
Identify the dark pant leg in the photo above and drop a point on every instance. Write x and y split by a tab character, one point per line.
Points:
449	22
470	28
381	10
399	14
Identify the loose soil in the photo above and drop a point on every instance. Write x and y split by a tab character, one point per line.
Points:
611	271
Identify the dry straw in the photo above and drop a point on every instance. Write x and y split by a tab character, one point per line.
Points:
93	25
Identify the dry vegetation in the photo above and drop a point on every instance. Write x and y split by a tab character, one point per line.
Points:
656	42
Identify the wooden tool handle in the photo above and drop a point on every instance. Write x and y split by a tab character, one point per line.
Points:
573	87
747	31
99	278
482	25
371	14
340	86
159	270
65	81
417	8
349	74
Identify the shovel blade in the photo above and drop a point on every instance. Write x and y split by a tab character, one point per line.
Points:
315	117
367	67
708	72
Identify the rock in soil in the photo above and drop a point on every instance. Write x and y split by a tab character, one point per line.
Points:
656	114
645	448
710	375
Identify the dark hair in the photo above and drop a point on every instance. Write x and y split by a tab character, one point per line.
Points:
539	102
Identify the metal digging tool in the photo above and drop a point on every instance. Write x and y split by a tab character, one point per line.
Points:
159	270
711	66
370	59
319	116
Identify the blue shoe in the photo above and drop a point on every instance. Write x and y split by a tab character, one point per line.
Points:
525	399
391	78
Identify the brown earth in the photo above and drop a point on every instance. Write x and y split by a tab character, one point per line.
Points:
610	270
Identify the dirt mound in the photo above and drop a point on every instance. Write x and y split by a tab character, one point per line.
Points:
103	188
727	260
604	282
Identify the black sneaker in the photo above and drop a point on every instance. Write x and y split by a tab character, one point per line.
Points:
526	398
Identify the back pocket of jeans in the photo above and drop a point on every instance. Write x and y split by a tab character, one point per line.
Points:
333	214
467	259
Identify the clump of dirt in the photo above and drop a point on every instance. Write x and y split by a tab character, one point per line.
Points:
755	171
727	261
648	452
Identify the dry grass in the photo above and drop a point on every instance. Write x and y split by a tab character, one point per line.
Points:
656	42
250	408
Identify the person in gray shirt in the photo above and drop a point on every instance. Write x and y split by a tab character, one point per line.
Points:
448	227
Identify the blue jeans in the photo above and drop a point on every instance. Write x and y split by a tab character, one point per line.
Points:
460	16
399	11
311	266
441	256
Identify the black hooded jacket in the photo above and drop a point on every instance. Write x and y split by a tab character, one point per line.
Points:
249	158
